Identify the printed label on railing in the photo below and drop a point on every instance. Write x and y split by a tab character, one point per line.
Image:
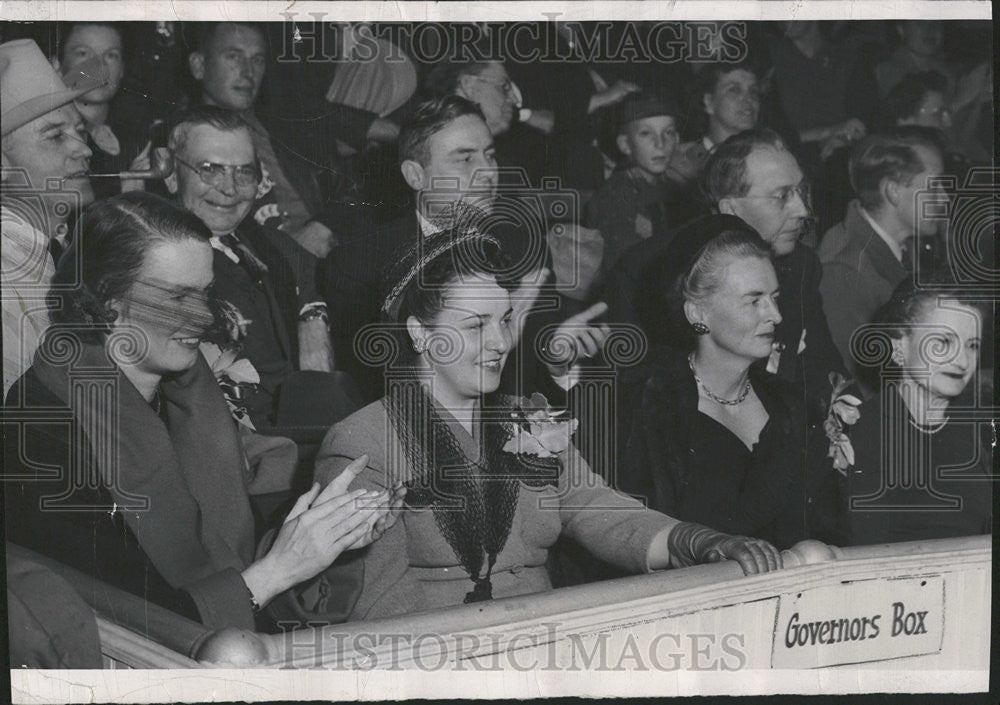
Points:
869	620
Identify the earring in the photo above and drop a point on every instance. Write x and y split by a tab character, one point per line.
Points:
419	345
699	328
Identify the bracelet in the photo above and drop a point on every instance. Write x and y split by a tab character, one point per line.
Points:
314	312
254	605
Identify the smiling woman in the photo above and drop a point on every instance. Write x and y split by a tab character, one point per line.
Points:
919	473
491	482
145	487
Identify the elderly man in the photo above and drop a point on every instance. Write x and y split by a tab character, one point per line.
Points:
229	65
448	160
216	177
45	161
868	254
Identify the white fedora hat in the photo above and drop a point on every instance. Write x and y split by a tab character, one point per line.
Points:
30	87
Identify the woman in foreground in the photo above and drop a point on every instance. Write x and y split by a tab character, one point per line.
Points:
145	487
491	482
710	434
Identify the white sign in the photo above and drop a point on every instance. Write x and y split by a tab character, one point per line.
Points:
870	620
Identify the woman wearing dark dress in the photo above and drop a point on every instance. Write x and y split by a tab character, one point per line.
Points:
919	472
708	436
121	457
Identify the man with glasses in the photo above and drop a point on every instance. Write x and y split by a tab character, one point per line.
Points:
216	177
753	176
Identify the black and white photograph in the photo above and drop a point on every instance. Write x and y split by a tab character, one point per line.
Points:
385	351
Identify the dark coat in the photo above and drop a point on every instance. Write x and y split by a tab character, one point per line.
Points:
82	528
271	304
657	409
352	282
938	485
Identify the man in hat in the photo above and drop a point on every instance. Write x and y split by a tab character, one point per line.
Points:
45	163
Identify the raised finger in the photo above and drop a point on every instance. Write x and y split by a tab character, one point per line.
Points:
587	315
340	483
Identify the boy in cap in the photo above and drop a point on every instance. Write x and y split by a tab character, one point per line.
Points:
633	204
45	163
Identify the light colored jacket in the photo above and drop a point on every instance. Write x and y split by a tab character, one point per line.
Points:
25	277
413	568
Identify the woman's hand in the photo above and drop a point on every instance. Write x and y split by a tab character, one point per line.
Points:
692	544
753	555
393	506
320	526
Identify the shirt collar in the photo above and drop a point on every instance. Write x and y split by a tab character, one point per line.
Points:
895	247
426	226
218	244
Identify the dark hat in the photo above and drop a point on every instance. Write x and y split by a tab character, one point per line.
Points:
672	263
637	106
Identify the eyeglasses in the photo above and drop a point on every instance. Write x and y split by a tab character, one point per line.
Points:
785	196
212	174
506	85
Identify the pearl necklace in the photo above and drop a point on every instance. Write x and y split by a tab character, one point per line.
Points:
713	397
929	430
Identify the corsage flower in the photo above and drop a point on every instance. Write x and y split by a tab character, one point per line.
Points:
843	412
236	378
538	430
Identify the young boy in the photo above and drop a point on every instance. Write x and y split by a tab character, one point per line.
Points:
633	204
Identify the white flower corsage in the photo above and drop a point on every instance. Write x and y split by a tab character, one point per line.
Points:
843	412
237	378
538	430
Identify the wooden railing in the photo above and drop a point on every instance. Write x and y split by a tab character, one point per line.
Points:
715	596
133	632
709	599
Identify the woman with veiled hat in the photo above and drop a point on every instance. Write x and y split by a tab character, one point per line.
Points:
710	435
491	482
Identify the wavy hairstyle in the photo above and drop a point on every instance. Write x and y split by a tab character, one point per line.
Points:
104	263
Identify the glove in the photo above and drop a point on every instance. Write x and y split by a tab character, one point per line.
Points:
693	544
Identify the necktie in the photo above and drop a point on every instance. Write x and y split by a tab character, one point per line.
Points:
251	262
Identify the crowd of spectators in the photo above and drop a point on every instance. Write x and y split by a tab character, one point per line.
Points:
752	218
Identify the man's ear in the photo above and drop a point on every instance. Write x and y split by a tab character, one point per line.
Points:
196	63
413	173
889	190
55	64
727	207
706	102
171	181
623	145
462	87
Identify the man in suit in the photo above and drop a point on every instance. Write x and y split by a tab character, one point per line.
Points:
448	159
229	64
216	177
867	255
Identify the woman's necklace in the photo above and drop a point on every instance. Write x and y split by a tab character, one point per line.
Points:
713	397
929	430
